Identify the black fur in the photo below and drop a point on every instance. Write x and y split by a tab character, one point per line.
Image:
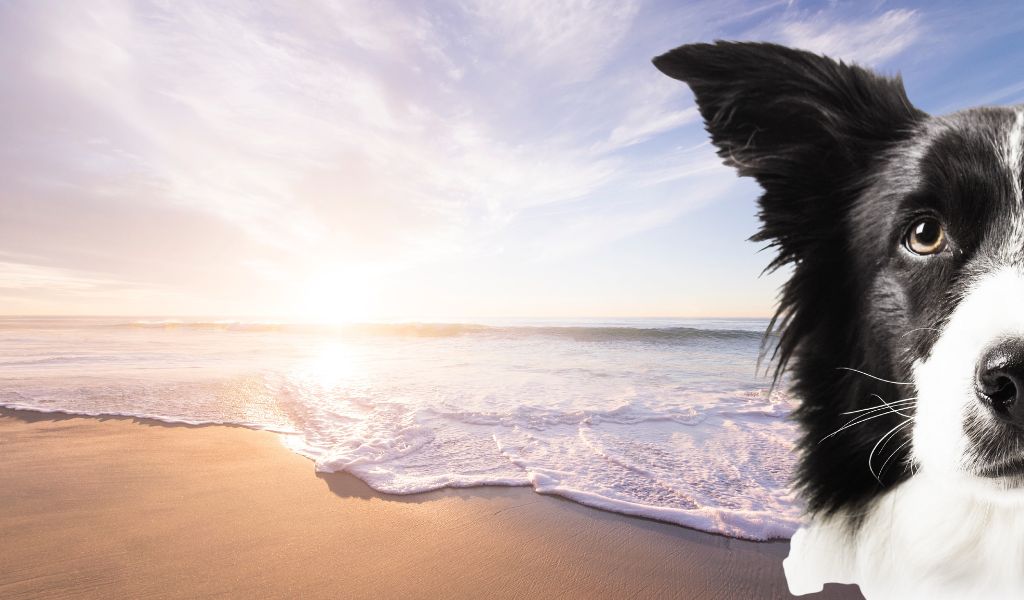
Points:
811	130
847	165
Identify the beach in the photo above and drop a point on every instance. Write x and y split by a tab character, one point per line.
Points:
659	418
127	507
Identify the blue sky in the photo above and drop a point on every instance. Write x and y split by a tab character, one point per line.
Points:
351	160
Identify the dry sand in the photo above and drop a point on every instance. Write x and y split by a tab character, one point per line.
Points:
120	507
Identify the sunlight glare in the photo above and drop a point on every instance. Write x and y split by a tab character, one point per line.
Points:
335	297
333	365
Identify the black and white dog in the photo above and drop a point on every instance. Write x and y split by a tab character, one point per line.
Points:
902	326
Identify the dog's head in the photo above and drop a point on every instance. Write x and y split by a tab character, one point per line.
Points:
902	324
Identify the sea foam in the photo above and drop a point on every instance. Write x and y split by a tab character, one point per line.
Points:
660	418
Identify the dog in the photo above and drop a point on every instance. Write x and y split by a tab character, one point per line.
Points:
901	327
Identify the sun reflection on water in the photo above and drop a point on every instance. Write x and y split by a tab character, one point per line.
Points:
333	365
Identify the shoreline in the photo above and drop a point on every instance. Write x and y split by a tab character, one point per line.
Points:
102	506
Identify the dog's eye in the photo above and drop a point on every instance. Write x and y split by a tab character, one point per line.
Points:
926	236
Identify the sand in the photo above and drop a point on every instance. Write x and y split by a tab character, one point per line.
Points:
121	507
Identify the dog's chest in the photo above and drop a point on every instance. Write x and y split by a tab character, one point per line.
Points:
920	540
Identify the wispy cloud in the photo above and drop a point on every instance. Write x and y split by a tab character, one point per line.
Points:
1013	93
29	288
230	151
19	276
312	131
570	40
869	41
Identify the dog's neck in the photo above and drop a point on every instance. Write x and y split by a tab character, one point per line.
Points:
958	540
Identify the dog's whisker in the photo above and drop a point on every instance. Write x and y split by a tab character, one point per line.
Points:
882	400
904	403
855	421
894	453
880	441
875	377
920	329
879	410
889	435
884	408
860	419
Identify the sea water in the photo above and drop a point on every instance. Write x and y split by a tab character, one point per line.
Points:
663	418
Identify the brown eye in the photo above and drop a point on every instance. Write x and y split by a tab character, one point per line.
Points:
926	236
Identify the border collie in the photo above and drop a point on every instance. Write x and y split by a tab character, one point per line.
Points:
902	324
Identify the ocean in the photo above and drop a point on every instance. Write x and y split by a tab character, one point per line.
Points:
662	418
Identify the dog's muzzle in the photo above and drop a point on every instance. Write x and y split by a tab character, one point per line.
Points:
999	381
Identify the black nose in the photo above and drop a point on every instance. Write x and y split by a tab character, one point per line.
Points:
1000	381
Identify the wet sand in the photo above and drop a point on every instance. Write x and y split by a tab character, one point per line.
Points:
121	507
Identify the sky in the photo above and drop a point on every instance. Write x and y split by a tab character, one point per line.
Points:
440	160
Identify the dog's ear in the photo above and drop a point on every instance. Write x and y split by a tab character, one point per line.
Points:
810	130
805	126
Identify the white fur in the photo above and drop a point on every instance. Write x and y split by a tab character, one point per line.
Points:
928	538
1012	152
989	312
944	533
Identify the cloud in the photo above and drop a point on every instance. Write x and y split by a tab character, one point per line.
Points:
19	276
227	152
1012	93
34	289
869	41
270	122
589	229
643	124
568	39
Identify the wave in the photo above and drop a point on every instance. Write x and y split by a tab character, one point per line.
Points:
580	333
647	334
658	418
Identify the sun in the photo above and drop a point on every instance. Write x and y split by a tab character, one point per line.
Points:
334	297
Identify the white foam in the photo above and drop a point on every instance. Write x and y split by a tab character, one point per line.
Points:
671	426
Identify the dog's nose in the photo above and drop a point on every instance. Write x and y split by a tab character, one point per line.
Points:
1000	381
